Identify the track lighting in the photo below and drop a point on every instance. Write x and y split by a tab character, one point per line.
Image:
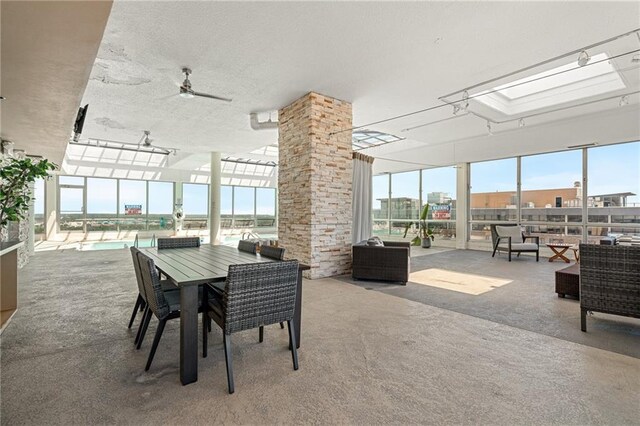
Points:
465	101
490	133
624	101
456	109
521	122
583	58
635	58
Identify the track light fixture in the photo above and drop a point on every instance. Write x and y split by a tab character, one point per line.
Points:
583	58
456	109
465	101
521	122
489	131
624	101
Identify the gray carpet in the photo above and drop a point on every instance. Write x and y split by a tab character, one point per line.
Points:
529	302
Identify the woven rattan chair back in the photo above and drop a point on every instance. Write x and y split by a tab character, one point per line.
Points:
272	252
136	268
259	294
155	295
182	242
609	279
248	246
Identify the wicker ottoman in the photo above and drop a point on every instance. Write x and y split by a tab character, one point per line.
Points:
568	281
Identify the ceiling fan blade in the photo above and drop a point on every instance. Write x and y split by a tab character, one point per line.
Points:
206	95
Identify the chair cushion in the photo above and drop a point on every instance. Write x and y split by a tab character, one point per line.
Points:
173	299
375	241
515	232
168	285
524	246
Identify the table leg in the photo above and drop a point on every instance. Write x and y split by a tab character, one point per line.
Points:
188	334
559	254
297	315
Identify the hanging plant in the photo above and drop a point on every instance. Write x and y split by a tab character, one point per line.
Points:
15	176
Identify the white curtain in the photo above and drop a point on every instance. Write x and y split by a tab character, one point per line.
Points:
362	197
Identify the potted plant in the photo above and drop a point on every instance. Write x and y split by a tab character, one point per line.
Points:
424	234
15	176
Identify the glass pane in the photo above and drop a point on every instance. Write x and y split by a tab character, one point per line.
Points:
195	203
381	228
493	191
265	207
550	233
614	183
160	205
243	207
552	187
102	195
439	190
71	209
38	208
226	204
71	180
625	235
380	196
405	197
133	205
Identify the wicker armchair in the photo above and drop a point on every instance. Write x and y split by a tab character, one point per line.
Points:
609	280
247	246
182	242
255	295
391	262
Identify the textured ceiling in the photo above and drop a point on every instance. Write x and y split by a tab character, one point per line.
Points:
48	50
387	58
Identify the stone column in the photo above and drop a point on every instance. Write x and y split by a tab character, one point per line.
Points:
314	184
214	198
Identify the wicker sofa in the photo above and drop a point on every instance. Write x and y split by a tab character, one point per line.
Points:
390	262
609	280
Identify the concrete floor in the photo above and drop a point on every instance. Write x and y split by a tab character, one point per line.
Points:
366	358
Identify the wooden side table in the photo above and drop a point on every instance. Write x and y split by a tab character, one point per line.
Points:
559	249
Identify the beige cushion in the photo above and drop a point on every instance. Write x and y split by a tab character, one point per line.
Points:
515	232
524	246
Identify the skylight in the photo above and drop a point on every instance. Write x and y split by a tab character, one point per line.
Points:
556	86
362	139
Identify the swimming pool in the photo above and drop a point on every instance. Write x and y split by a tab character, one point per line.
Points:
231	240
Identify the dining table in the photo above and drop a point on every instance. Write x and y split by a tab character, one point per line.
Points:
189	268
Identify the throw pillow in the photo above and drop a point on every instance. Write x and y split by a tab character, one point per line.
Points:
375	241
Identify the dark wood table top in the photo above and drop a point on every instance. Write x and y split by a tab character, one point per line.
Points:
199	265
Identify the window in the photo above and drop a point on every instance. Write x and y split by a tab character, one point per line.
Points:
380	197
493	191
439	190
405	197
243	207
71	204
226	207
195	204
160	207
614	189
38	208
265	207
133	204
102	196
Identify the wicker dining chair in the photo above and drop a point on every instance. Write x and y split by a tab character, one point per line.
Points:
164	305
256	294
141	301
247	246
181	242
272	253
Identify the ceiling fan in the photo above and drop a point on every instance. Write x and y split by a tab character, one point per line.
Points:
187	92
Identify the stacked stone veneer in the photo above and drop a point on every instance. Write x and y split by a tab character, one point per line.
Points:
314	184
